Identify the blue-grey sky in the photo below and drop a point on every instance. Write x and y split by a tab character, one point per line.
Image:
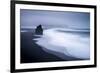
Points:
32	18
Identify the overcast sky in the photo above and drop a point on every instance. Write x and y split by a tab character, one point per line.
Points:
32	18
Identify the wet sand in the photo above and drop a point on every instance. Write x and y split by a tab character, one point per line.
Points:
31	52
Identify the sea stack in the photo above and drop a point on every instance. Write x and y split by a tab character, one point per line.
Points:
39	30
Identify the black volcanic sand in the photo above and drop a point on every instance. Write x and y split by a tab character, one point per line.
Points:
31	52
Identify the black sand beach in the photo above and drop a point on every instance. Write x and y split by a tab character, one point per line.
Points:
31	52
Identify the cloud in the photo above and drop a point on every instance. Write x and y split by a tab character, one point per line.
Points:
32	18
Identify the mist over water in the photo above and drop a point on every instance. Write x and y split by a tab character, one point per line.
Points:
70	42
66	35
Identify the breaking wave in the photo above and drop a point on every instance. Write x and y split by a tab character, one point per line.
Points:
64	41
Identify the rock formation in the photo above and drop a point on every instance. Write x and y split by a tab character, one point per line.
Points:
39	30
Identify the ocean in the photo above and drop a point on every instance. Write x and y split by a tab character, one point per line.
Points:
56	44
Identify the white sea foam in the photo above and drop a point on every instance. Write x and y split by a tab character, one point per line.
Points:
69	44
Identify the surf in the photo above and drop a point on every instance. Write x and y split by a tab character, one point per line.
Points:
67	43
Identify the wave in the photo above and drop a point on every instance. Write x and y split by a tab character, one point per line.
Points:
69	44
